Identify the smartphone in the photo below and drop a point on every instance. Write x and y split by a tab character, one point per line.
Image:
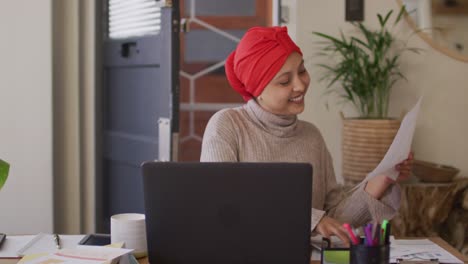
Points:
96	240
2	238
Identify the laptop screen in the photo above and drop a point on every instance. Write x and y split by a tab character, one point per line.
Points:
228	212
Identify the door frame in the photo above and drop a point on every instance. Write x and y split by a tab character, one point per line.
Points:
101	36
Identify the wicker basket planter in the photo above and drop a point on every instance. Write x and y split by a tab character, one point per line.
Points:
365	142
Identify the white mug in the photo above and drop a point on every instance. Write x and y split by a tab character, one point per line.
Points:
130	229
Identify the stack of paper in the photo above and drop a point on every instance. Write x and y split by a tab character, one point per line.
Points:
13	244
45	243
18	246
420	249
79	254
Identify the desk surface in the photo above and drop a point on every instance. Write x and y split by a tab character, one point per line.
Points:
436	240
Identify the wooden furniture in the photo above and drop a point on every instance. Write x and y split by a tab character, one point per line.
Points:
439	241
435	209
436	240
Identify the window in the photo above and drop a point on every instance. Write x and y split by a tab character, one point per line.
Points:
130	18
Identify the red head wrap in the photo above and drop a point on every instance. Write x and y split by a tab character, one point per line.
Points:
259	56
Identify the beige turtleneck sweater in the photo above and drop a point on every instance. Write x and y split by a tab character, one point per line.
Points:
251	134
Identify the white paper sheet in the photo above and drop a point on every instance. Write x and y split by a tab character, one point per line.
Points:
79	254
400	147
128	259
420	249
45	243
12	244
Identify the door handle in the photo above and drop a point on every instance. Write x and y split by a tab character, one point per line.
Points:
185	25
125	50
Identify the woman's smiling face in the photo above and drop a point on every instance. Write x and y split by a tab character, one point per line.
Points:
284	94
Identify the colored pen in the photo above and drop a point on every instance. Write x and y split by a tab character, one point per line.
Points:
384	230
368	234
377	233
57	241
388	233
354	240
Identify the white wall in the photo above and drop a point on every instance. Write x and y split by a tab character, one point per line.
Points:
292	17
443	121
26	115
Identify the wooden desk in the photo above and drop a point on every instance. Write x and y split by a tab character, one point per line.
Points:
436	240
439	241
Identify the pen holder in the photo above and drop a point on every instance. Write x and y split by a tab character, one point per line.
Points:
363	254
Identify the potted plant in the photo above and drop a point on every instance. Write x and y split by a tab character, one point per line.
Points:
362	71
4	168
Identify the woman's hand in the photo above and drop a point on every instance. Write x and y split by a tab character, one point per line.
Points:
329	226
405	168
377	186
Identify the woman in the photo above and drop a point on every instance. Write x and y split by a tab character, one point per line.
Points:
267	69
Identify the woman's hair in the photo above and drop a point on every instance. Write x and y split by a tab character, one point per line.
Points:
258	57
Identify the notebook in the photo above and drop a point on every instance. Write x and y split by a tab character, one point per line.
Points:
228	212
45	243
82	255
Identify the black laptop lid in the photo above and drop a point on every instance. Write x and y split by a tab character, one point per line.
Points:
228	212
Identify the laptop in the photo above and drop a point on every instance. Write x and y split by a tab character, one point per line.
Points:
223	213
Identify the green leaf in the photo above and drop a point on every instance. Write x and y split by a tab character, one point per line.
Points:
360	42
368	35
4	168
380	20
400	14
386	18
361	69
327	37
415	50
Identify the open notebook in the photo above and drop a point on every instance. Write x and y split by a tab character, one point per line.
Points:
45	243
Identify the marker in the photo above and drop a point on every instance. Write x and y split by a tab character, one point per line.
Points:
57	241
387	233
368	234
383	237
351	234
377	233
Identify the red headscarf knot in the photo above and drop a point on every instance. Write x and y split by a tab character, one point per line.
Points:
258	57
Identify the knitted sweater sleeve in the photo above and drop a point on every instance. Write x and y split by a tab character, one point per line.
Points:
356	207
219	140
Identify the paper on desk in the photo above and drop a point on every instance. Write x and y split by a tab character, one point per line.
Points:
12	244
45	243
128	259
400	147
79	254
420	249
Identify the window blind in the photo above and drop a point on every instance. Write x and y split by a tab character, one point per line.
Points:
130	18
